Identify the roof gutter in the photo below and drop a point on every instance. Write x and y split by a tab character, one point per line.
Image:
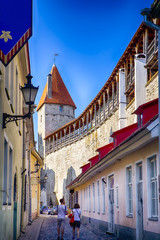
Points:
127	147
146	12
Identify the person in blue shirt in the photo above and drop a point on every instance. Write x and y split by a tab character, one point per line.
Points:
61	212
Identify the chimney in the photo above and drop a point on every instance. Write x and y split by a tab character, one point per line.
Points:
49	79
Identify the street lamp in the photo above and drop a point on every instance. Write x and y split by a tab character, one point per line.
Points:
29	93
36	167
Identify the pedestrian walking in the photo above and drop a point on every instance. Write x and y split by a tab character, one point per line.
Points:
77	222
61	212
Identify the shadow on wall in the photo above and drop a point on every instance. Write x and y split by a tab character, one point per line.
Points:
40	145
49	186
71	175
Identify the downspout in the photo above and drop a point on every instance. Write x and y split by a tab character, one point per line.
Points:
146	12
30	194
23	179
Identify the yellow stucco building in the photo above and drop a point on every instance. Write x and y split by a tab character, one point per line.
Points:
17	151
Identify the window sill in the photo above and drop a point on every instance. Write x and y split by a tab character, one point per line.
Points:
129	216
154	219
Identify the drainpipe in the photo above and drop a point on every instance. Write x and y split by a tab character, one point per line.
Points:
30	194
23	179
146	12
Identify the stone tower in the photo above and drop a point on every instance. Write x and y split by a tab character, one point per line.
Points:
55	109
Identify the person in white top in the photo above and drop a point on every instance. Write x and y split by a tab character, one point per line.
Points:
61	211
77	222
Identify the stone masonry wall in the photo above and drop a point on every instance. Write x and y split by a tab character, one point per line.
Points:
56	118
131	118
152	88
66	162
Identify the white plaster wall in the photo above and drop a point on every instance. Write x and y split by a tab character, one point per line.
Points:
140	80
119	171
41	130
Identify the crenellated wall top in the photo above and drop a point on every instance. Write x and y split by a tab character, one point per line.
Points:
110	88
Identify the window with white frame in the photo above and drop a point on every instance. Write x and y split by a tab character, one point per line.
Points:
10	176
98	198
117	197
5	172
89	193
152	190
84	199
129	191
103	197
93	191
81	198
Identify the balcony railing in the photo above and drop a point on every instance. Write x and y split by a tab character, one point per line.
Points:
130	79
152	48
77	134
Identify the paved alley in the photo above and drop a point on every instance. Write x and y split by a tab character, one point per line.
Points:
49	231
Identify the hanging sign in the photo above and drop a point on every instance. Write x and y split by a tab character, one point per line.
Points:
15	27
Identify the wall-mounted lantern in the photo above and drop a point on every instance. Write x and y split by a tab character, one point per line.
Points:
36	167
29	93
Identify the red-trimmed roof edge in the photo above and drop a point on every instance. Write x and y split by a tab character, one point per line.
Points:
145	105
128	138
133	126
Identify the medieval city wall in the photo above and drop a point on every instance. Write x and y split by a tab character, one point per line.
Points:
66	161
152	88
131	118
57	116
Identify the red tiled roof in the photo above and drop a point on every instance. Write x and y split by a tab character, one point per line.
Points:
60	94
148	110
120	135
105	149
115	147
94	159
85	167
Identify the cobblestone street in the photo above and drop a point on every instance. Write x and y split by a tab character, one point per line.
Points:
49	231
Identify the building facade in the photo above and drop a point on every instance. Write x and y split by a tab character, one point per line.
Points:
118	189
133	82
16	141
11	144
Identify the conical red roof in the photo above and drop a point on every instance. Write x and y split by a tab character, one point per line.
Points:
60	94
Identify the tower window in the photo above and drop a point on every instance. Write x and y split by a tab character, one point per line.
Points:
61	108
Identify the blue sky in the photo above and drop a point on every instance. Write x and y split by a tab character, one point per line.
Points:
89	36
